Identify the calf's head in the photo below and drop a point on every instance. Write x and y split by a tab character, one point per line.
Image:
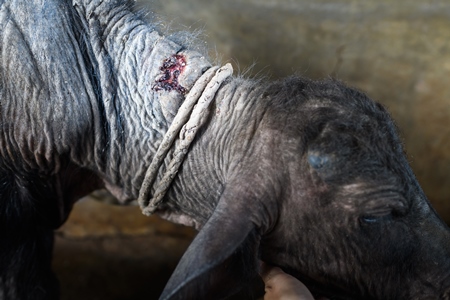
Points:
355	222
328	195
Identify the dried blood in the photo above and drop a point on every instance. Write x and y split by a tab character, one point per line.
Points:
171	69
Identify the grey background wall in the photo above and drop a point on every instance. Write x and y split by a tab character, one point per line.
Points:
398	52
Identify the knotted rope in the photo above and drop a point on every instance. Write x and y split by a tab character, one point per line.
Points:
189	119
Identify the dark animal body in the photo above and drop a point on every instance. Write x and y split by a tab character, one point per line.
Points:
310	176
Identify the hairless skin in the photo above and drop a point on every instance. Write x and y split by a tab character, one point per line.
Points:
282	286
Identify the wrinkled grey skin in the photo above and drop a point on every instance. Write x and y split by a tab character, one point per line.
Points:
309	176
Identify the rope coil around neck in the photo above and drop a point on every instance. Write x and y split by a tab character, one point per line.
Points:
189	119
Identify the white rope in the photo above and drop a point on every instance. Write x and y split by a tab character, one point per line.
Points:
186	124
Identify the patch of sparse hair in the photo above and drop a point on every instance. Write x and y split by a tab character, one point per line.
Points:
188	38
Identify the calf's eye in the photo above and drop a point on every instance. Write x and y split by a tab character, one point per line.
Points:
318	161
376	219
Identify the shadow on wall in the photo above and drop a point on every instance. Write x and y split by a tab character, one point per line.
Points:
111	252
116	253
397	52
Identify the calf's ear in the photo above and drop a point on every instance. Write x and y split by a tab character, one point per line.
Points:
222	257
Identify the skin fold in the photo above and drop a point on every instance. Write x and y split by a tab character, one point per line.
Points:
309	176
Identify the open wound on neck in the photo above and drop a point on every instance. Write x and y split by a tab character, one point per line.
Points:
171	69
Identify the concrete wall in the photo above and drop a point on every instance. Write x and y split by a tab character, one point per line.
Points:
398	52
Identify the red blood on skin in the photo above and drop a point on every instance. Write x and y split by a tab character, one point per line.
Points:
171	69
